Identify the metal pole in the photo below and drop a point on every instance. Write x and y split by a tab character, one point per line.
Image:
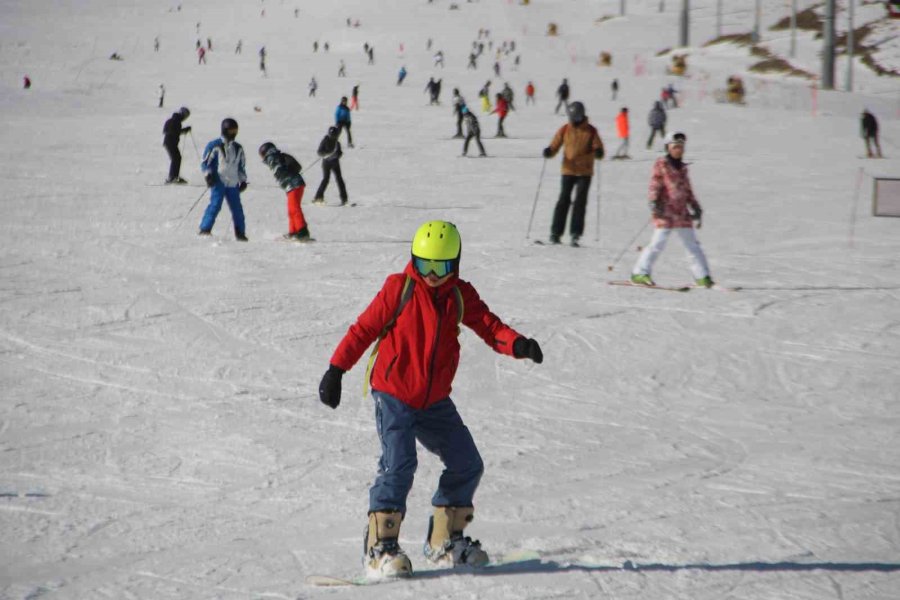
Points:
756	18
622	8
828	48
793	28
718	18
850	44
537	195
685	23
597	239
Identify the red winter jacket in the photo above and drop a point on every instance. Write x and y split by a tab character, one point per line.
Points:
670	190
417	360
502	107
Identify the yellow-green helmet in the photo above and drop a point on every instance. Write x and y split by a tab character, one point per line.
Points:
437	240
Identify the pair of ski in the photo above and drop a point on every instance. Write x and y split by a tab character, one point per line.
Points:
522	556
674	288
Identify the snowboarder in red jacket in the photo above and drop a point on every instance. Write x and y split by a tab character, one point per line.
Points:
414	322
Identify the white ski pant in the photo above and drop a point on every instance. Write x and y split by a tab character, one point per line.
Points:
699	266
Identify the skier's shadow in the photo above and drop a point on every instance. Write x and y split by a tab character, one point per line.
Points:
539	566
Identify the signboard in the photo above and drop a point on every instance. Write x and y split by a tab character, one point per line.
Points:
886	197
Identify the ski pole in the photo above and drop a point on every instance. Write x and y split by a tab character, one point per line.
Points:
192	207
627	246
597	239
310	165
536	196
195	145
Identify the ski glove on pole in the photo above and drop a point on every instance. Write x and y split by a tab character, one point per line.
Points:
210	179
330	387
548	152
598	153
527	348
243	186
697	215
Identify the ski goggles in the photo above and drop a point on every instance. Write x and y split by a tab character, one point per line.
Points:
441	268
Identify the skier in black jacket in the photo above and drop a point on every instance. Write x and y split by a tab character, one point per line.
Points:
869	130
472	131
330	151
562	92
172	132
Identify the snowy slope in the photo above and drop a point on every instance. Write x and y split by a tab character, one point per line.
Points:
160	433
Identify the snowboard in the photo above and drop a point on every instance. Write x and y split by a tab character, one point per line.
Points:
520	556
667	288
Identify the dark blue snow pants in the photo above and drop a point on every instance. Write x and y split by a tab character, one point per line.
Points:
440	429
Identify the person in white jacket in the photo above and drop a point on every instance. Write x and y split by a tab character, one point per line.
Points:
224	166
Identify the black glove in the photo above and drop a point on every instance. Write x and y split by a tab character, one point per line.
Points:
548	152
210	179
330	387
598	153
186	129
528	348
242	186
656	210
696	213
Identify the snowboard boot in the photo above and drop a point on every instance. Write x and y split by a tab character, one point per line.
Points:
642	279
383	556
706	282
240	236
446	546
554	239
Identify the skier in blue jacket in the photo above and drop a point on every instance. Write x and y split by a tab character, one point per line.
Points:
342	119
223	163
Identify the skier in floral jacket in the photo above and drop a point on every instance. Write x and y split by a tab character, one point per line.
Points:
674	208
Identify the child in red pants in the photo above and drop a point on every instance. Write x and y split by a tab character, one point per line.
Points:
287	173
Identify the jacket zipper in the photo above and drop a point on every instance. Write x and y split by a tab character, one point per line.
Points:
437	336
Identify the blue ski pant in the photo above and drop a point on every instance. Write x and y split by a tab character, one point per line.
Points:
217	194
440	429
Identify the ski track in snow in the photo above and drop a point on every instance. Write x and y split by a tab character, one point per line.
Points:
160	432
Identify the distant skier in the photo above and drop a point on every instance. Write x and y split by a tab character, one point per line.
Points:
342	69
316	46
313	86
458	103
497	68
342	119
209	44
614	86
162	95
529	93
472	61
156	44
417	316
674	209
401	75
262	61
287	173
582	147
225	168
354	98
501	109
26	82
869	130
623	129
371	53
562	92
439	59
508	95
240	47
330	151
172	132
201	55
434	89
473	131
657	121
671	92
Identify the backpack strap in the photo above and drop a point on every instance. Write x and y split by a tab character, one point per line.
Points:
405	296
